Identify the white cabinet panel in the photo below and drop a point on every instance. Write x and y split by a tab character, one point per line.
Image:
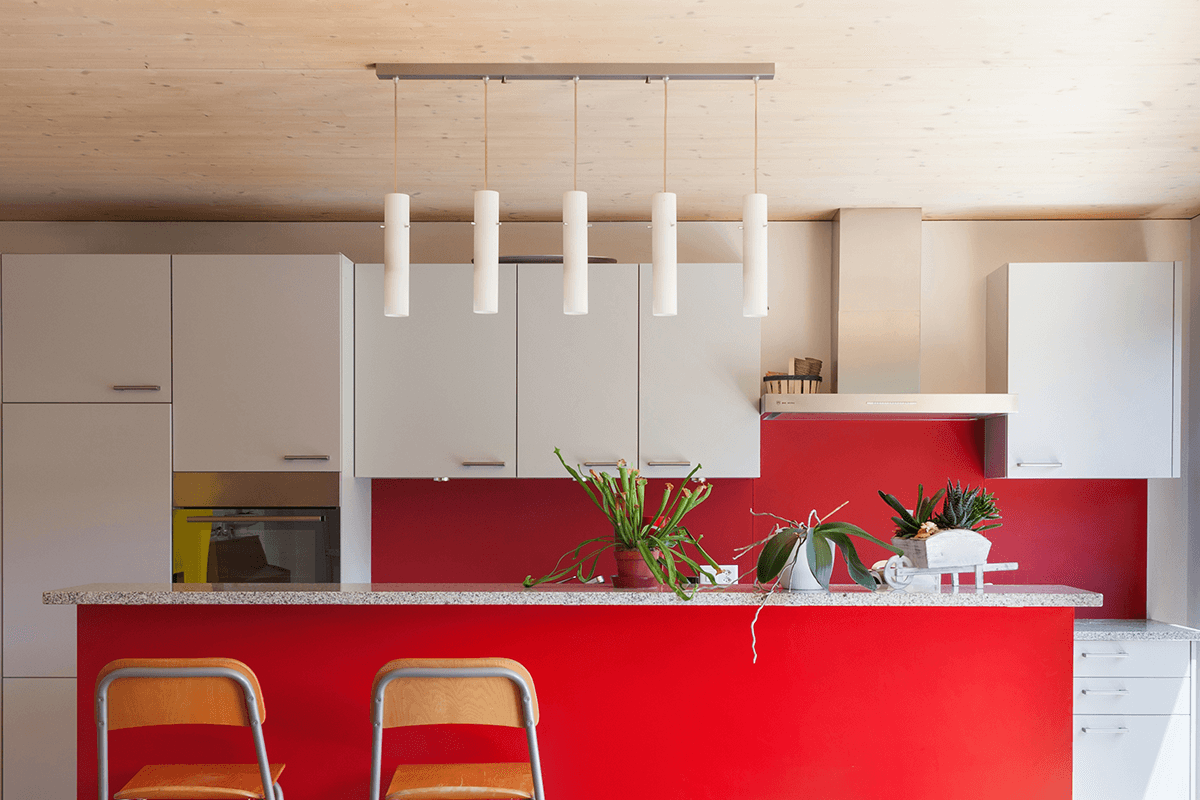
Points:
700	378
1123	757
1133	696
75	326
577	376
435	392
1092	352
257	362
39	738
1134	658
87	498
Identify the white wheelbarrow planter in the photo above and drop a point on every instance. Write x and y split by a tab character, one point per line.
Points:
949	548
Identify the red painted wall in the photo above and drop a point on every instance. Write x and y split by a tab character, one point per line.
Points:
636	702
1088	534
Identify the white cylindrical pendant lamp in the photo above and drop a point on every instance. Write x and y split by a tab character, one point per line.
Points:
754	255
487	252
395	255
575	253
663	254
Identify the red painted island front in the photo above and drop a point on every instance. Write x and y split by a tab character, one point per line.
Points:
853	695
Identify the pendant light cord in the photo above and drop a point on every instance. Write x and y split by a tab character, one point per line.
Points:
485	132
756	134
666	80
575	171
396	134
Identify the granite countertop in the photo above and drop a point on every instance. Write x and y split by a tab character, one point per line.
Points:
1099	630
556	595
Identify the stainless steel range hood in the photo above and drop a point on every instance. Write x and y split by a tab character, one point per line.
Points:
876	334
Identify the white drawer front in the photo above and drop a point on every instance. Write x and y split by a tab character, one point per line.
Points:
1122	757
1144	659
1132	695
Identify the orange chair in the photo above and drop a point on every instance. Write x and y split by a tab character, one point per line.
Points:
471	691
135	692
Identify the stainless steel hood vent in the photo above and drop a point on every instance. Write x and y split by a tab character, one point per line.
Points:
876	336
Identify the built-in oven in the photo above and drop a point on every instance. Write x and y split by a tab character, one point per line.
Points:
256	527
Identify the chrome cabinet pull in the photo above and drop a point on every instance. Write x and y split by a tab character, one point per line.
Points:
306	458
137	387
891	402
1116	729
602	463
668	463
249	519
1039	463
483	463
1105	655
1104	691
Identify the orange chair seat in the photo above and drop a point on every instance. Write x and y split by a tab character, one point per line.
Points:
196	782
461	781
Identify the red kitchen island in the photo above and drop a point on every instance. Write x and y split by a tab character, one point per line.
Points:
854	694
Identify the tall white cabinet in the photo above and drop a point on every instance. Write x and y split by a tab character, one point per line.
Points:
1094	353
257	349
700	378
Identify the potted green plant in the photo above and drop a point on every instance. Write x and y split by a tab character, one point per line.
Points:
783	548
949	538
649	549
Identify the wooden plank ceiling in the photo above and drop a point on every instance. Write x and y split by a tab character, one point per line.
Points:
269	110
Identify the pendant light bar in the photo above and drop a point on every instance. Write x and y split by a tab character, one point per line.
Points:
754	240
663	243
575	244
585	72
486	274
395	231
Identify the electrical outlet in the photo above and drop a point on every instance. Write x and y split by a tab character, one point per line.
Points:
728	573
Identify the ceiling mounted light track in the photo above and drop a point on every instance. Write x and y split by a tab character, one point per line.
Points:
575	224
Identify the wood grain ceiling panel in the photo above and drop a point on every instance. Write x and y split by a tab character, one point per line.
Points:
269	111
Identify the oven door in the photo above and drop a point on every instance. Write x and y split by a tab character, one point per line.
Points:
256	545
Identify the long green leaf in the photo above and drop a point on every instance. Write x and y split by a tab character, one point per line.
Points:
820	557
853	530
899	508
858	571
776	552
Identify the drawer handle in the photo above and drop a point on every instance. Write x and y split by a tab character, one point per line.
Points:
1117	729
1039	463
668	463
1104	691
137	387
1105	655
306	458
602	463
250	519
483	463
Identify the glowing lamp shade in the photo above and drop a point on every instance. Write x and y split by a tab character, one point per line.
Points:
395	255
575	253
663	254
754	256
487	252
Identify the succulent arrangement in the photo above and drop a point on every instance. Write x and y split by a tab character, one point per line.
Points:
963	508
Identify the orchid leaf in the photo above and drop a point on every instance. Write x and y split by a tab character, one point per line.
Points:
820	557
776	552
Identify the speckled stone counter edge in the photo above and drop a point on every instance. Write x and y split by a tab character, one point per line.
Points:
506	594
1105	630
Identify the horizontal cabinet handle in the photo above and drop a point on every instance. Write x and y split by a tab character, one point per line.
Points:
602	463
483	463
891	402
1039	463
1104	691
248	519
306	458
137	387
1105	655
668	463
1116	729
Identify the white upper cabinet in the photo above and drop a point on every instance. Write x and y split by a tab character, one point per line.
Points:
87	328
577	375
1093	353
435	392
700	378
257	363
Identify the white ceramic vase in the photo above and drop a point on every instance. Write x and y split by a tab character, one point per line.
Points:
796	576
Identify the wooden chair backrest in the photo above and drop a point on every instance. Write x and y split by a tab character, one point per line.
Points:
468	701
134	702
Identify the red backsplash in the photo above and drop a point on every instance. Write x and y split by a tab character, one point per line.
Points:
1088	534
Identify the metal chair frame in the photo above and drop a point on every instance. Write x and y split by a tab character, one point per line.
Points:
271	791
535	763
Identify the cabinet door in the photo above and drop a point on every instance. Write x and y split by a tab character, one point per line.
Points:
39	737
87	499
87	329
435	392
1091	357
1129	757
257	363
699	378
577	376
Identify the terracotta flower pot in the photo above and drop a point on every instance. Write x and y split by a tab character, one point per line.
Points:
632	570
